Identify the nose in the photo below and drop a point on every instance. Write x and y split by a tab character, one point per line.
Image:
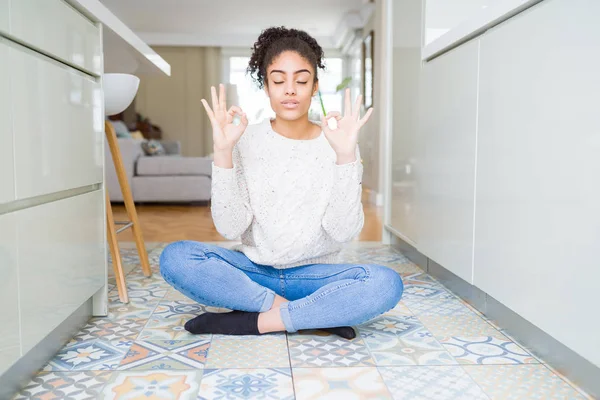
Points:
290	89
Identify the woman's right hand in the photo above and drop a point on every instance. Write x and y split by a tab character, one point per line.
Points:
225	132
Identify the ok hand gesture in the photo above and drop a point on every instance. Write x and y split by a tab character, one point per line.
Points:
225	132
343	139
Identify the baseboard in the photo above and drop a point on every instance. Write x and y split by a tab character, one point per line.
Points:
20	373
565	361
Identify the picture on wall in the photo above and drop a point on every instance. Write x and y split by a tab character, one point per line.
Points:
368	56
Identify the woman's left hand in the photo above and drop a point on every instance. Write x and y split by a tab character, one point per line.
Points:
343	139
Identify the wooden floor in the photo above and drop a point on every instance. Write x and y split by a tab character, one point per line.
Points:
169	223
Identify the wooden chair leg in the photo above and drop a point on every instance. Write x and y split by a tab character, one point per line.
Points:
111	137
114	252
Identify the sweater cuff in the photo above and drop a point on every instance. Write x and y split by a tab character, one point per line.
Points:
223	174
349	171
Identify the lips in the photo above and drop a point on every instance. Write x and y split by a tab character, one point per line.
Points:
290	104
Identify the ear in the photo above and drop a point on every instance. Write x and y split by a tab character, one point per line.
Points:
316	87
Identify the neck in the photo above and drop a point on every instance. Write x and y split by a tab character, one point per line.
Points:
300	129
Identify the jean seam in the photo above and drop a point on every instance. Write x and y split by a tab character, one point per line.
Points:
321	295
365	268
236	265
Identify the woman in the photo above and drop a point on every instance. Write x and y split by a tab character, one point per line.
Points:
292	190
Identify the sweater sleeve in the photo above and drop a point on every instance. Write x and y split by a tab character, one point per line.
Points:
230	202
344	216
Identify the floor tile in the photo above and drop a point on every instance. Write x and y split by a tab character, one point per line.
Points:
443	305
326	350
170	328
339	383
127	268
268	351
85	385
166	355
403	340
161	384
89	355
111	330
168	320
129	256
399	309
521	382
422	286
486	350
431	383
460	325
135	309
230	384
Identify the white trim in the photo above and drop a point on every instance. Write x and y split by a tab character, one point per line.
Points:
483	20
113	26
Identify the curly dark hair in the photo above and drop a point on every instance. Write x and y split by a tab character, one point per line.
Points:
274	41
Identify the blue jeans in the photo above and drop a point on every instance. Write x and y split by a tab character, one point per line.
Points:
319	295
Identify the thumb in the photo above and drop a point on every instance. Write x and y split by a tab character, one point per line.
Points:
325	126
244	120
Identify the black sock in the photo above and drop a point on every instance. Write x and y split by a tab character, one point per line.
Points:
347	332
230	323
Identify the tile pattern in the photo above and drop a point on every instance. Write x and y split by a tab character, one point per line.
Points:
85	385
486	350
522	382
89	355
221	384
430	346
403	340
431	383
166	354
339	383
162	384
469	325
310	350
269	351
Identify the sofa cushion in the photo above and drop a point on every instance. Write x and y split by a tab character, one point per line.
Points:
173	165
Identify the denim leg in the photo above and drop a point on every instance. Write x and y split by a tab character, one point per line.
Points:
218	277
331	295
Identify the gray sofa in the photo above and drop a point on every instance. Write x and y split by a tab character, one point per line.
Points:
164	178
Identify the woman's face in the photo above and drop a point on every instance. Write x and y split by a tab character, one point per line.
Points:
290	85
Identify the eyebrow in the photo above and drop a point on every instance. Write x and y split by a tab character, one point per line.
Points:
283	72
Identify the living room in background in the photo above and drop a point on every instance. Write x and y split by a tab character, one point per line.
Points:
255	102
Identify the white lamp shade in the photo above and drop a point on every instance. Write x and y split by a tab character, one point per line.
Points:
119	92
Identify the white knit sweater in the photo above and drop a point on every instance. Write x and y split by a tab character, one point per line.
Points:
289	201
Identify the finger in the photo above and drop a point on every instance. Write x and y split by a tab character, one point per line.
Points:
210	113
235	110
244	120
324	126
334	114
215	100
364	119
348	104
222	99
356	110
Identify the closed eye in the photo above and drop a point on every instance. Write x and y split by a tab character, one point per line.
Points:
303	83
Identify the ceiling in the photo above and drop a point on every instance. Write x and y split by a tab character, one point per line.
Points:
237	23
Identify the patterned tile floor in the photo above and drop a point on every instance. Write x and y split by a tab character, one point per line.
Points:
431	346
